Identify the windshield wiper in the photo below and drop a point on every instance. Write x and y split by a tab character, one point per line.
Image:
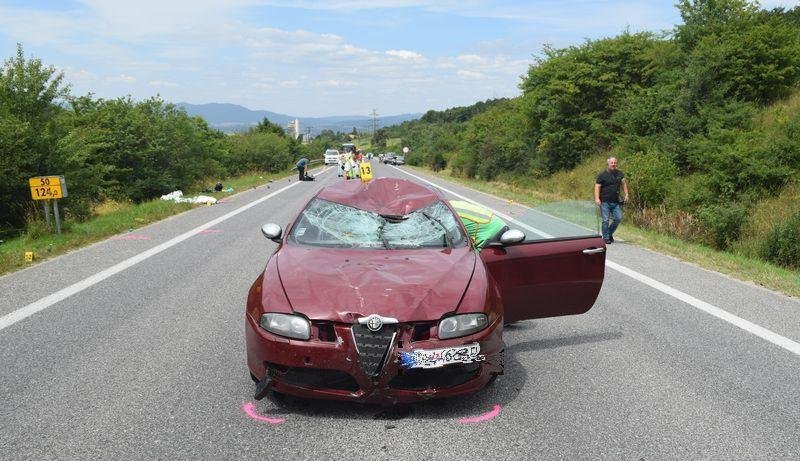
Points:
447	237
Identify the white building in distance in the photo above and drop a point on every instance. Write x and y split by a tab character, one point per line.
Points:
293	129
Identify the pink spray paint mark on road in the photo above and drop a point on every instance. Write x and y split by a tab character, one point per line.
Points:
130	237
482	418
250	410
210	231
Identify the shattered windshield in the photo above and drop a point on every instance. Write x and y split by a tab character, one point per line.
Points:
330	224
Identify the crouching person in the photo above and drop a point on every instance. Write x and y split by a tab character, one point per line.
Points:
302	166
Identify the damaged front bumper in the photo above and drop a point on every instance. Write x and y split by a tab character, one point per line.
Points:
347	362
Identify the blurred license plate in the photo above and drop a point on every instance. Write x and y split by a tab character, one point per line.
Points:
435	358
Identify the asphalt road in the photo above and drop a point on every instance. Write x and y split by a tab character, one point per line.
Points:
104	356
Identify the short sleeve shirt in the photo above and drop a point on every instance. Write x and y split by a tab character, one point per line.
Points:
609	185
302	162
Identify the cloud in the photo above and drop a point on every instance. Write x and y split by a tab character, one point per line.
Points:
471	59
406	55
162	83
121	79
468	74
78	75
216	50
334	83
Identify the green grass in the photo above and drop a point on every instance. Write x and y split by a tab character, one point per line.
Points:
111	218
736	264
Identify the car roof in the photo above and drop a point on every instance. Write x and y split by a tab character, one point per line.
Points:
384	196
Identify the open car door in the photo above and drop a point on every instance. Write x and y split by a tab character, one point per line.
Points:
559	270
547	278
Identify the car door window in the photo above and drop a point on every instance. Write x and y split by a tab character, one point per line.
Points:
558	220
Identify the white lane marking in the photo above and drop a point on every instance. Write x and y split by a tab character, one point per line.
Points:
746	325
42	304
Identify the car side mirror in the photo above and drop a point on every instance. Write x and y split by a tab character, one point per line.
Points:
512	236
272	231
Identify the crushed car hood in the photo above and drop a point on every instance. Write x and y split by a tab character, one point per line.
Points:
343	285
384	196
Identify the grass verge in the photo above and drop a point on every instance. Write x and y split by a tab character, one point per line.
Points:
110	218
736	265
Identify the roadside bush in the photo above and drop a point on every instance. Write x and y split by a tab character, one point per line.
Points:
462	164
679	223
78	209
257	151
782	245
437	161
36	228
689	192
724	223
649	176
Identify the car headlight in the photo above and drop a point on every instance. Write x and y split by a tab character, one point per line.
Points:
462	325
291	326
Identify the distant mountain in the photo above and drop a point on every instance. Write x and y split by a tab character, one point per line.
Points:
232	118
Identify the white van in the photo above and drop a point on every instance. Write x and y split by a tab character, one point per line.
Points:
331	157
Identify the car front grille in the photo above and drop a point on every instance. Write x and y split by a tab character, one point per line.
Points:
314	378
373	346
434	378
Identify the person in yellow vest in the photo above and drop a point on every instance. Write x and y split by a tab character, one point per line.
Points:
482	224
351	167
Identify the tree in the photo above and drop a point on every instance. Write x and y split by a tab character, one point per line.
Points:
702	18
30	94
379	137
570	95
265	126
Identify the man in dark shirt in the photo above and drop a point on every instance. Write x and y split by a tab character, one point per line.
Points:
606	195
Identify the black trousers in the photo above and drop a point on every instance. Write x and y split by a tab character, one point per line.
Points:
302	171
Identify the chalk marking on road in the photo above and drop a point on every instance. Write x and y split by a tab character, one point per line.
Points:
488	416
42	304
746	325
250	410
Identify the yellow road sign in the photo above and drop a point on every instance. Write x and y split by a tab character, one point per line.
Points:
47	187
366	171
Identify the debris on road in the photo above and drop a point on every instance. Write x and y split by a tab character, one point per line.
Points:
177	196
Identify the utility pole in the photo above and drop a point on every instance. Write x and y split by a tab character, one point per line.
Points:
308	134
374	121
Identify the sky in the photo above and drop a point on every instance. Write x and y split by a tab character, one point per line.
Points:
313	58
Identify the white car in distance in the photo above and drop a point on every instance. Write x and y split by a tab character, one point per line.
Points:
331	157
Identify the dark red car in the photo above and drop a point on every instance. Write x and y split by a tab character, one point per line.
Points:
376	294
